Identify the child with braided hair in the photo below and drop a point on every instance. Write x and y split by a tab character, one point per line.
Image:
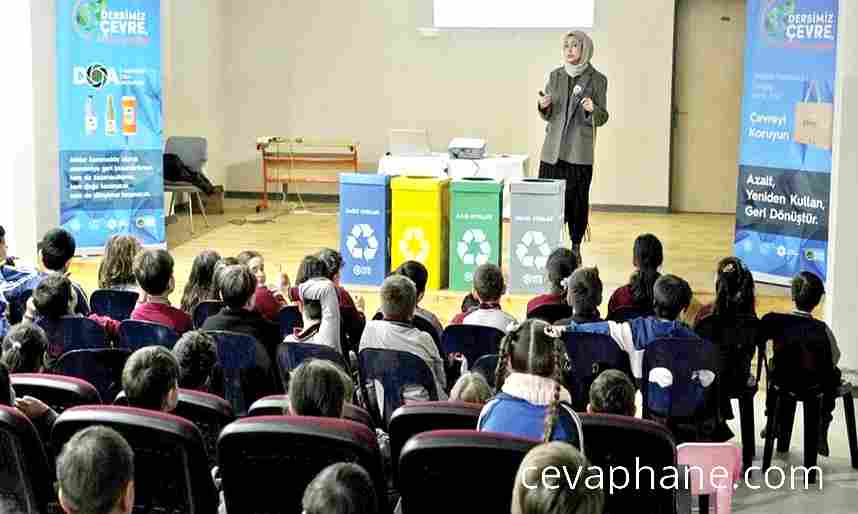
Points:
734	292
530	394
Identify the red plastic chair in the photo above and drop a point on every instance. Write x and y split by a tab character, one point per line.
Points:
702	460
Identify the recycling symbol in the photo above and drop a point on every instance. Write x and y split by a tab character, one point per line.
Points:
353	243
477	237
523	250
411	238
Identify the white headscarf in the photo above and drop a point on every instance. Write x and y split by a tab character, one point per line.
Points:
574	70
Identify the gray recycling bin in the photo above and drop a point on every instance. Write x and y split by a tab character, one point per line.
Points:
536	230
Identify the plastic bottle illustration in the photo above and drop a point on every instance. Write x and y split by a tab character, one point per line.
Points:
110	118
129	115
91	121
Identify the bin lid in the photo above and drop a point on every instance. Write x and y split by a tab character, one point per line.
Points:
366	179
536	186
477	185
419	183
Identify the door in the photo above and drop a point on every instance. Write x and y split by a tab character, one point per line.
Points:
707	97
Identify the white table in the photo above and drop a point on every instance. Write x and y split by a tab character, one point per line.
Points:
501	166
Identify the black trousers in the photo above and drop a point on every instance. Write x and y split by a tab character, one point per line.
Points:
578	178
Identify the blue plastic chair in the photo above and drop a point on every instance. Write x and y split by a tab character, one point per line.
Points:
396	371
291	355
688	408
590	355
206	309
236	355
113	303
290	318
134	335
74	333
102	368
472	341
486	366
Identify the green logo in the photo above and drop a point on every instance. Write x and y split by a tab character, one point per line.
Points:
776	16
87	16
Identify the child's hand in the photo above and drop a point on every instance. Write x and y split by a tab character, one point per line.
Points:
31	407
555	331
31	312
284	283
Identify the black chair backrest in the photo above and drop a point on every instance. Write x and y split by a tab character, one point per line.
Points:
71	333
255	452
416	418
735	340
473	341
290	319
629	313
57	391
278	405
620	442
171	470
205	309
689	406
486	366
802	359
435	471
209	413
551	312
589	355
25	479
291	355
134	335
102	368
396	372
236	355
113	303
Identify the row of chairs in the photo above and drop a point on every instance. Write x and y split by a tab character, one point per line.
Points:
266	461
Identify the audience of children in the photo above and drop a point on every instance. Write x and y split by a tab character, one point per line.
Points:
24	348
471	387
489	287
319	305
529	389
95	473
153	270
561	263
200	286
539	490
237	289
52	300
150	379
637	294
612	393
800	327
116	270
734	292
418	274
265	301
584	295
318	388
396	331
341	488
530	392
196	353
351	310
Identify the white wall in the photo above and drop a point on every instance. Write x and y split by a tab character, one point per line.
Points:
194	75
841	303
356	69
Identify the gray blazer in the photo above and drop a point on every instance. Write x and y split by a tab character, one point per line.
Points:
578	145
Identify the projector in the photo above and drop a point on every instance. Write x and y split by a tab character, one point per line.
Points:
467	148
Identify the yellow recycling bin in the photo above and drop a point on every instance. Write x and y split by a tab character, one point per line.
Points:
420	225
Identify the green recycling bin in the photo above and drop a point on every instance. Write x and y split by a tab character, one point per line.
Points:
475	228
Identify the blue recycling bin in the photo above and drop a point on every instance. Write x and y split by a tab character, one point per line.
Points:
364	228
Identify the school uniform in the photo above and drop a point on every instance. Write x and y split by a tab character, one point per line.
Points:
486	315
163	314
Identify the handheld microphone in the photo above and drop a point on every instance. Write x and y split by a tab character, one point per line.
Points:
576	93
